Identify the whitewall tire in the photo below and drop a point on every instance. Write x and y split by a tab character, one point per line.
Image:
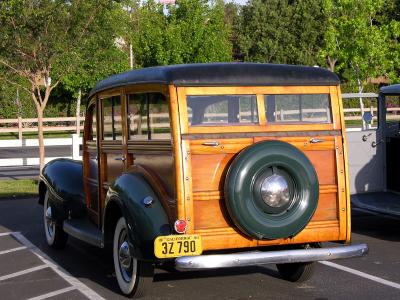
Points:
133	276
55	235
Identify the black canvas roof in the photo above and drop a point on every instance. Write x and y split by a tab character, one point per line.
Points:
391	89
222	74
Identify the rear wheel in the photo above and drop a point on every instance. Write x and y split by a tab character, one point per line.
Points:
55	235
134	276
296	272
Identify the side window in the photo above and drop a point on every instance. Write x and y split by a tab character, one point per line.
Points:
392	113
222	110
301	108
92	130
148	117
112	128
354	108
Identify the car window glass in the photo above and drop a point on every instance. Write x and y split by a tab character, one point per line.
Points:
92	134
392	113
137	116
355	107
299	108
112	127
222	110
148	117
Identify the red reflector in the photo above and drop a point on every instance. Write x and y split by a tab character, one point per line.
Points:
180	226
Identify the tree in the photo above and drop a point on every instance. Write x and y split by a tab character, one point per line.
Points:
279	31
191	31
359	43
43	42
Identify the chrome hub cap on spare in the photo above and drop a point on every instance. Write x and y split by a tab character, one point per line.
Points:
125	258
275	191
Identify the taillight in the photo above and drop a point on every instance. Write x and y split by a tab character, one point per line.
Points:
180	226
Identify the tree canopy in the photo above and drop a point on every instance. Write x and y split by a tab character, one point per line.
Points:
76	43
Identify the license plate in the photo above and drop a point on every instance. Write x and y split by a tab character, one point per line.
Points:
177	245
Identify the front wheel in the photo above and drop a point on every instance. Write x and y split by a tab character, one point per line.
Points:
296	272
55	235
133	276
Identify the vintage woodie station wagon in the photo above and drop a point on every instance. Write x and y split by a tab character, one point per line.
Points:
208	166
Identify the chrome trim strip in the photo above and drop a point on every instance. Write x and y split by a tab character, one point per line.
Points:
271	257
359	95
231	135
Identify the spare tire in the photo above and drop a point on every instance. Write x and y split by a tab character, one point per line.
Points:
271	190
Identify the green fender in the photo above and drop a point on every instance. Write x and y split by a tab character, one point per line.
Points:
145	223
63	179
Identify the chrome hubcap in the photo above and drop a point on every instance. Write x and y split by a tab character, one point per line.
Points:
124	257
275	191
49	221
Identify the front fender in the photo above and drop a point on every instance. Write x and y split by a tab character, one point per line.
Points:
64	181
145	223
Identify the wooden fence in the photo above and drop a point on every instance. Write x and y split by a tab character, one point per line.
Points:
20	125
75	125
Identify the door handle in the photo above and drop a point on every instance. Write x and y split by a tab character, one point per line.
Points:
211	144
120	158
315	140
374	143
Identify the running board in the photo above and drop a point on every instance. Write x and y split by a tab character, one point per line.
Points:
83	230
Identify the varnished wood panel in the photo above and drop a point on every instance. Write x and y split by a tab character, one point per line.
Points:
210	211
208	170
258	128
224	146
324	163
248	90
327	209
210	214
313	233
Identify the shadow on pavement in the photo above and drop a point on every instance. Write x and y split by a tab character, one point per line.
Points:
375	225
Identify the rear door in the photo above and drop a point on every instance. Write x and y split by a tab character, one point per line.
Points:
366	144
216	130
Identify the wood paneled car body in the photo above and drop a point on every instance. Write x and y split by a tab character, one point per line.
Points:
208	166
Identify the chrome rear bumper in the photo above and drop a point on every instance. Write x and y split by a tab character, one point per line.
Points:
269	257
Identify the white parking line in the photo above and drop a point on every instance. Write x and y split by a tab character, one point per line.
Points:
23	272
362	274
12	250
6	233
55	293
88	292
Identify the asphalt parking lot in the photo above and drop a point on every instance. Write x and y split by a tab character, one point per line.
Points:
31	270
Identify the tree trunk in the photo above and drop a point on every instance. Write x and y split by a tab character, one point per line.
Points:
40	137
332	63
78	112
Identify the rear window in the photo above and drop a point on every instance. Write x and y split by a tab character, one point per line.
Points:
298	108
222	110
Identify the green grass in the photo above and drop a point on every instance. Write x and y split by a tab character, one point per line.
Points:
18	188
33	135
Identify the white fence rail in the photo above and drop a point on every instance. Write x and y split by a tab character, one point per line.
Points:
75	124
74	142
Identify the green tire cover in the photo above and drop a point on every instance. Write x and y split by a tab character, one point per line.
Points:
244	202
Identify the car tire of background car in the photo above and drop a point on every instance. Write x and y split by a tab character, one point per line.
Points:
296	272
271	190
134	276
55	235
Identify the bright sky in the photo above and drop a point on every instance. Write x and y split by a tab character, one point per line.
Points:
237	1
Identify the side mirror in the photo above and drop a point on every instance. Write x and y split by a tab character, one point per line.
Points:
367	117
